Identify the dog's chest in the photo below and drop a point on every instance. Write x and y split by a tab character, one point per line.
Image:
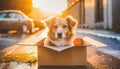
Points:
60	43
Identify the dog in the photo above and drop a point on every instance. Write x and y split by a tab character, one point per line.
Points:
60	31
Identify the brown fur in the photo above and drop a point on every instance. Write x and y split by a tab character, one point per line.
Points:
67	24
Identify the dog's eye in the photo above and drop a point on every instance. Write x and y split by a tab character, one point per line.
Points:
64	26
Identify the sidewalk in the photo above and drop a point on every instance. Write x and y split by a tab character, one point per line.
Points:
103	57
22	55
29	46
112	40
100	33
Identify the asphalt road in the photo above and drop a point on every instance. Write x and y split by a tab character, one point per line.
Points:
96	58
13	49
101	57
7	39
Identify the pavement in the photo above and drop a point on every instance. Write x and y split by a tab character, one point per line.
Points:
100	33
29	45
111	39
35	38
24	51
102	57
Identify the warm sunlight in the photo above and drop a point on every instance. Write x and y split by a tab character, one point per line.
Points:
55	6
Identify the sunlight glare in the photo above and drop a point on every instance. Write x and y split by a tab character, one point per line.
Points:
44	33
55	6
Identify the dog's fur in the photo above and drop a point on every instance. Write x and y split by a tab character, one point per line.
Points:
60	31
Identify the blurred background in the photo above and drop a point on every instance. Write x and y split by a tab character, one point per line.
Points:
92	14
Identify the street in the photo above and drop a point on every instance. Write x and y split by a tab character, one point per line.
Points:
102	57
7	39
9	48
97	57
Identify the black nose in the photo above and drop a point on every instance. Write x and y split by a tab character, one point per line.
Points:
59	34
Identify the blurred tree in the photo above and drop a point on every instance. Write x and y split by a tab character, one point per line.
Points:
22	5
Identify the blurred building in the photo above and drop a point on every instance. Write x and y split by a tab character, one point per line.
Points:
100	14
22	5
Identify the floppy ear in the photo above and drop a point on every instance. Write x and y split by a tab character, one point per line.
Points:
50	20
71	22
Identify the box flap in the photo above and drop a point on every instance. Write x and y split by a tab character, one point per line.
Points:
94	42
58	49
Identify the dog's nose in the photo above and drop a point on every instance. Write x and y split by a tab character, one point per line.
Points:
59	34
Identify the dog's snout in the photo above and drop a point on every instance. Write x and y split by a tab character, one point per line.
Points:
59	34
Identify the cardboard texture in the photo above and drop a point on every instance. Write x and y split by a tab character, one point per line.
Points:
66	55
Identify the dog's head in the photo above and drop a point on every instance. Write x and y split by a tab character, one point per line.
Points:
60	27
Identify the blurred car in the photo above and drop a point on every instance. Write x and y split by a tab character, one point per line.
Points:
15	20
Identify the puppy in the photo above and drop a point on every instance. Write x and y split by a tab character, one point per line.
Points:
60	31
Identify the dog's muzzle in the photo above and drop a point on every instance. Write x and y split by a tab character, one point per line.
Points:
59	35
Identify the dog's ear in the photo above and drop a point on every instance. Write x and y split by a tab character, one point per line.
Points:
71	22
50	20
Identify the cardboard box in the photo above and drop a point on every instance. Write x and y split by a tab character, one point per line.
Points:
67	55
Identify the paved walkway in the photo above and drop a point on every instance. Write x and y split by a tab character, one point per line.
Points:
25	46
102	57
28	45
23	51
101	33
111	39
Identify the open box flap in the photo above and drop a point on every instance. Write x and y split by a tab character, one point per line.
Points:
58	49
94	42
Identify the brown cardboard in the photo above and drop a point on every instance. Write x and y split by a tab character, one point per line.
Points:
72	56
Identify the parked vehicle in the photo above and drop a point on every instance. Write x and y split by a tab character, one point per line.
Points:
15	20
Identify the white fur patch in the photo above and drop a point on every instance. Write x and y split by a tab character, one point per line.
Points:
59	43
59	30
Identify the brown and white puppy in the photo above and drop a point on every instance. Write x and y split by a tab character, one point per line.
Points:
60	31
